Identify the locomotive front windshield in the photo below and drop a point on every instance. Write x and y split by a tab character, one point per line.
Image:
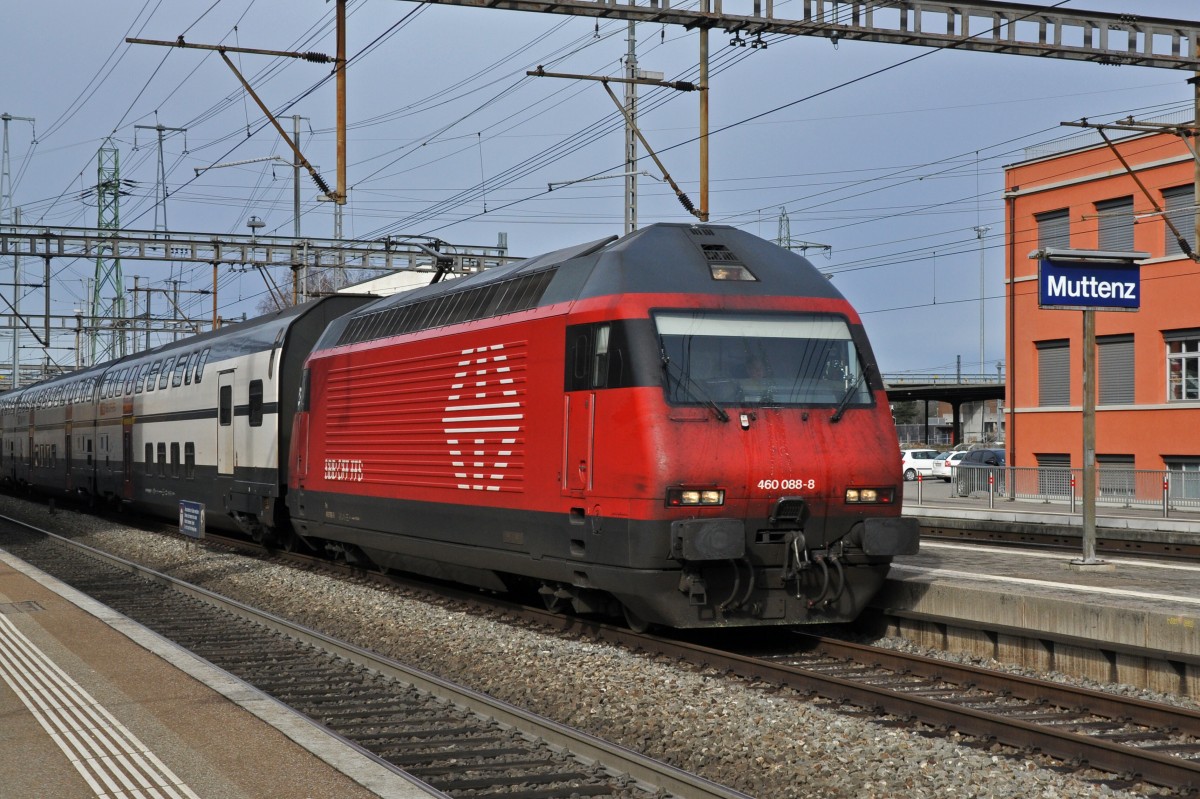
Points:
731	358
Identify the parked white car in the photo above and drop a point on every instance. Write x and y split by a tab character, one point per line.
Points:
917	461
943	465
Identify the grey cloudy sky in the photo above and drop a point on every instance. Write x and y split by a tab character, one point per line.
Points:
449	137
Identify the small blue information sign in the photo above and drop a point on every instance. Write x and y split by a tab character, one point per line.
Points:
191	518
1084	285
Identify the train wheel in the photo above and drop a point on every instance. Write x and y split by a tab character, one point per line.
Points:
634	621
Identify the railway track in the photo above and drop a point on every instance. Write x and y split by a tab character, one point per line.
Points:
458	741
1130	739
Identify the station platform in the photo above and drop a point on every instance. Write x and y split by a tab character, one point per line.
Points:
95	705
933	502
1128	620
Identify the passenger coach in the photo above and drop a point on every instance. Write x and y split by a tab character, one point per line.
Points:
203	419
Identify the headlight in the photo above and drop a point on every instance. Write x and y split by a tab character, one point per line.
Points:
870	496
678	497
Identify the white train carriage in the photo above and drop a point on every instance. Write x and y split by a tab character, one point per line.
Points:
206	419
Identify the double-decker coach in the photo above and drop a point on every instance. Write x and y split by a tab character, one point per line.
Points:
203	419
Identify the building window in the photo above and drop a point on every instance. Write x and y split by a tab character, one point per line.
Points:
1115	476
1054	372
1054	229
1180	205
1185	477
1115	219
1116	369
1183	365
1054	473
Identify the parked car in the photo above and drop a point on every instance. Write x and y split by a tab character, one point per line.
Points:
973	470
917	461
943	465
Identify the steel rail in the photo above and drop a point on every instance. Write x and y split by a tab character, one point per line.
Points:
638	767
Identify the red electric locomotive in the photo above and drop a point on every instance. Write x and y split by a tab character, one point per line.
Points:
685	425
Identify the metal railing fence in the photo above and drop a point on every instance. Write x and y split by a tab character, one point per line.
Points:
1164	490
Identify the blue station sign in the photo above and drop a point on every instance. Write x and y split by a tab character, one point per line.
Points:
1089	285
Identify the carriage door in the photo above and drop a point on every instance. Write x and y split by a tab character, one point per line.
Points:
226	461
127	447
586	370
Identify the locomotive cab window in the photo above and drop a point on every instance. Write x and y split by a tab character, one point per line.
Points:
732	358
601	355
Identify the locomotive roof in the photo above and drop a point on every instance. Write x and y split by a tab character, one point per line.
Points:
658	259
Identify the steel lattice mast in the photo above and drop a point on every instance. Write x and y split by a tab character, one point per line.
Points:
108	264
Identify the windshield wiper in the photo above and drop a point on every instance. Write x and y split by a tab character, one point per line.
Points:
693	389
850	392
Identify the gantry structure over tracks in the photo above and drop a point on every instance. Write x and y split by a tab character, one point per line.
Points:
995	27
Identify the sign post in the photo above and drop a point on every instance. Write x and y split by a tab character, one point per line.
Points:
191	518
1089	281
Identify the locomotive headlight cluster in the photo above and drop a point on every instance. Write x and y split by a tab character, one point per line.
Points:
870	496
681	497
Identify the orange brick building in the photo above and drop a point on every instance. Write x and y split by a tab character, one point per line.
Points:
1148	361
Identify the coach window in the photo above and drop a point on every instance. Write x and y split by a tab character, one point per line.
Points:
180	367
133	371
162	460
189	460
141	378
256	403
148	465
226	406
1183	365
174	458
166	372
203	359
152	378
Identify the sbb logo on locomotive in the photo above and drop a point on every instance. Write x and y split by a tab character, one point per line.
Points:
344	469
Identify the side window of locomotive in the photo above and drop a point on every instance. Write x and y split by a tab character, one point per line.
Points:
595	357
189	460
162	460
226	406
180	367
203	359
152	378
256	403
166	372
149	464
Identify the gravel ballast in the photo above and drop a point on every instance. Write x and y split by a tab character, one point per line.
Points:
767	744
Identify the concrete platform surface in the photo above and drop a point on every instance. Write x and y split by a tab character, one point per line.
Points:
1137	621
94	705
